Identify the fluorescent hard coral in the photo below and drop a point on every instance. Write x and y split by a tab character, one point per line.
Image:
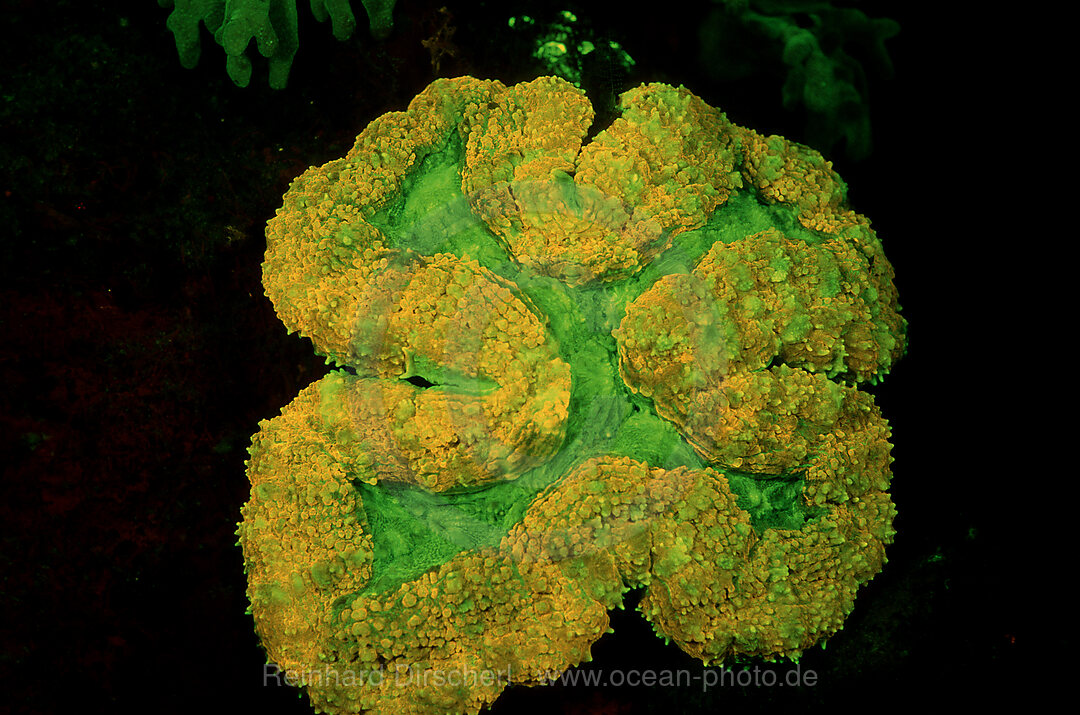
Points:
566	370
271	23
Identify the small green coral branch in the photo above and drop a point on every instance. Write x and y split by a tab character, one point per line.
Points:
271	23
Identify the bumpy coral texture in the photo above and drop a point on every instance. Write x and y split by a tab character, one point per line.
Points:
566	370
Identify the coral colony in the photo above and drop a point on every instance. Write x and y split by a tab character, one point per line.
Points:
565	370
272	24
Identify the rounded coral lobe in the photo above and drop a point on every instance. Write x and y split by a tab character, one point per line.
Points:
563	371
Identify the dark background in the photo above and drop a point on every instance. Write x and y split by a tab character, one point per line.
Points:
137	352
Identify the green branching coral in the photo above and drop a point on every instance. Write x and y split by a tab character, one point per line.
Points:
565	370
271	23
823	47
